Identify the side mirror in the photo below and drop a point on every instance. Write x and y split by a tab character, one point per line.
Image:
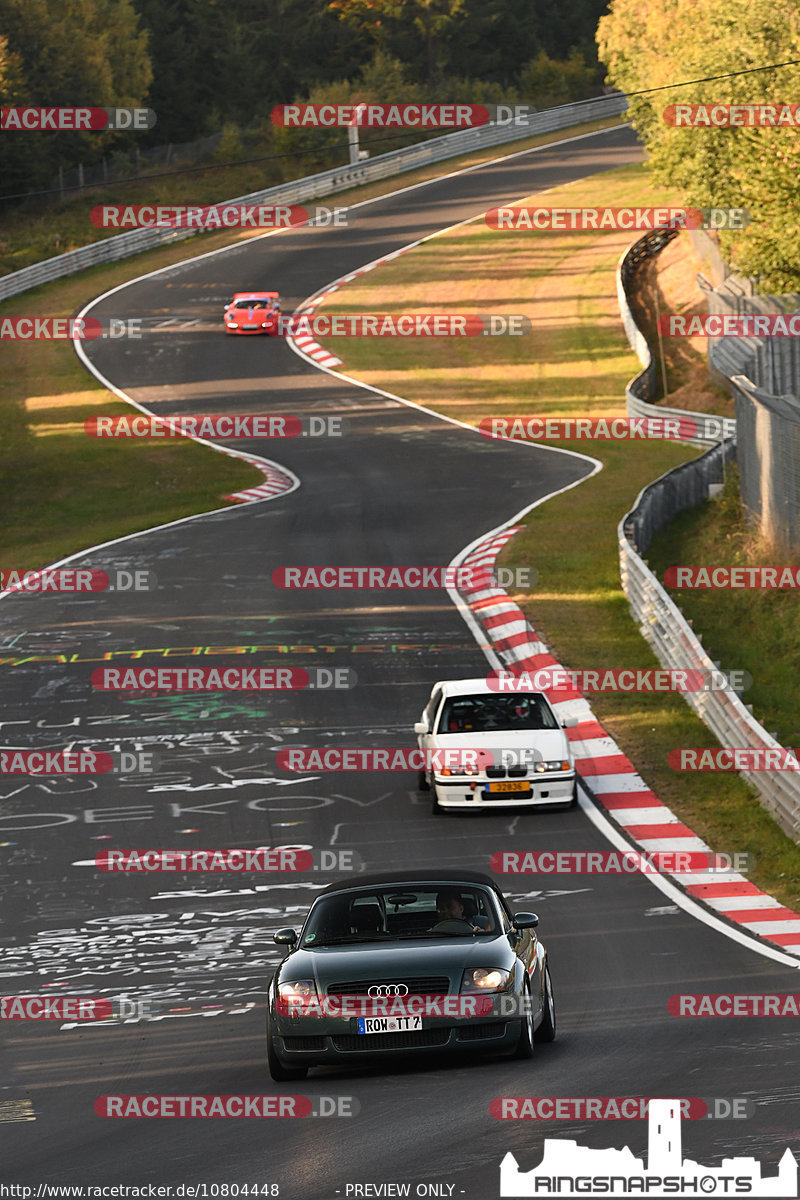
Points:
569	722
285	937
525	920
421	727
227	306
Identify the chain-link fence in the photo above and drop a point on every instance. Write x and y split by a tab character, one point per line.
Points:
764	375
126	165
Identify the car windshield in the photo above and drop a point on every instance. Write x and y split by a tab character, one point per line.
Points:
393	913
483	713
253	304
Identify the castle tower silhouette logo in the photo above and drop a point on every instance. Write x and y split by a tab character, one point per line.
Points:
568	1169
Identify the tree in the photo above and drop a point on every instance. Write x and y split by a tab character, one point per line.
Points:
646	45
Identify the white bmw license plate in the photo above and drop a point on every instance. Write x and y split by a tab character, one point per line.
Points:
388	1024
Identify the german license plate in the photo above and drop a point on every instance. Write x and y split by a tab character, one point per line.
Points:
518	785
388	1024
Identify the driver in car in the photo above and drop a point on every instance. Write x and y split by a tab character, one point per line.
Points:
450	911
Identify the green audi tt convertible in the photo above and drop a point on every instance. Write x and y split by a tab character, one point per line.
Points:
408	963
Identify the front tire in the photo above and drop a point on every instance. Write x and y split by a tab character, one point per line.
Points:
547	1029
525	1044
277	1070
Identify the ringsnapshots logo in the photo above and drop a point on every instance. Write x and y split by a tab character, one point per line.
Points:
617	679
223	679
732	116
403	325
567	1169
404	578
54	120
261	860
571	220
75	580
228	426
217	216
66	329
613	862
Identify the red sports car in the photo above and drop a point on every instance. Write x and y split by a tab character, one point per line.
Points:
253	312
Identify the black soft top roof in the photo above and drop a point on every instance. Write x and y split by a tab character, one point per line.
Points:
425	875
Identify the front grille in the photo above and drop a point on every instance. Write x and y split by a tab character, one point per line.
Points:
472	1033
311	1042
390	1041
516	772
417	986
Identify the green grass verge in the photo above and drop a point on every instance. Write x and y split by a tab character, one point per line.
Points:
755	631
575	362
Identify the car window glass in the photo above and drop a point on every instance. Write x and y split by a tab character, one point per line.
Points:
397	912
483	713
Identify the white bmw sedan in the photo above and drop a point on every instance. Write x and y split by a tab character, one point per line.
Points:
487	749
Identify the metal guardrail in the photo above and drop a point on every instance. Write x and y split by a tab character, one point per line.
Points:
664	626
326	183
640	392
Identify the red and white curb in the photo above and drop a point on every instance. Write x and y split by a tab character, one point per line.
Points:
278	480
305	344
611	777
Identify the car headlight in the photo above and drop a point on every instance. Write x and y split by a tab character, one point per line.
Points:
293	998
458	771
556	764
484	979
